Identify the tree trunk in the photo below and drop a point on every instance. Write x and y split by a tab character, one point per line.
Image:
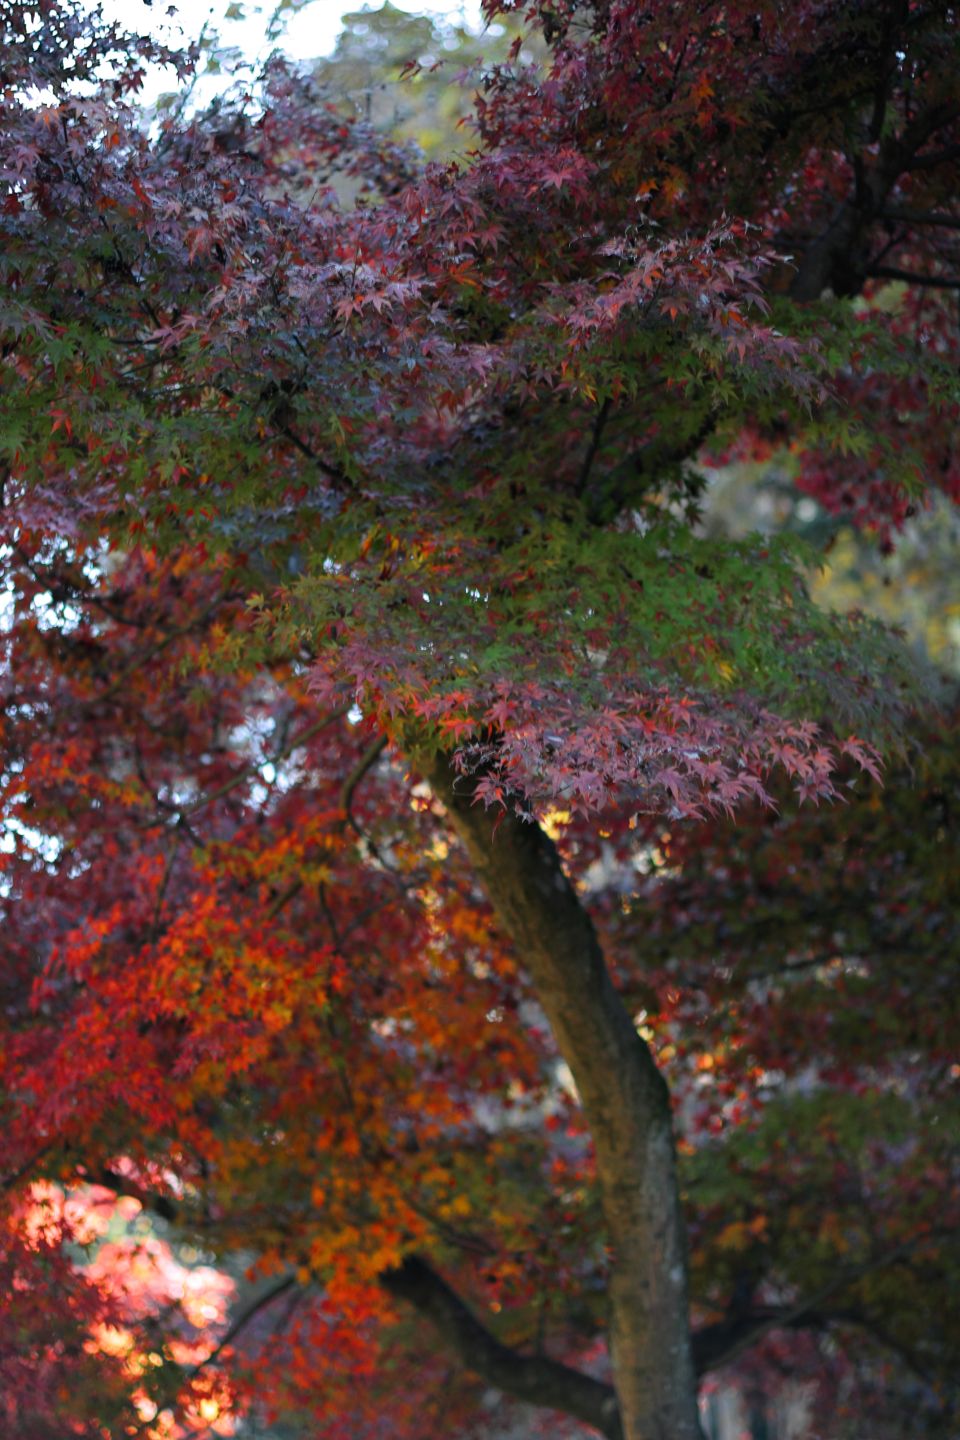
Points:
625	1102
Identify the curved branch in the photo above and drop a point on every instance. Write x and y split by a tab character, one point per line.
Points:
366	762
240	1323
535	1379
645	469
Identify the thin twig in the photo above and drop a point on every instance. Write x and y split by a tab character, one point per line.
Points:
286	749
243	1320
594	445
9	1181
366	762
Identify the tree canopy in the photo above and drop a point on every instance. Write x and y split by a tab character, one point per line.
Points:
454	936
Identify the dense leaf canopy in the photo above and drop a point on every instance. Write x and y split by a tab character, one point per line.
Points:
353	541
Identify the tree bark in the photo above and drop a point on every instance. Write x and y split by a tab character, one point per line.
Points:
625	1102
535	1379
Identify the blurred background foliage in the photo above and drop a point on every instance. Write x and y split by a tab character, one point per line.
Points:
913	585
414	75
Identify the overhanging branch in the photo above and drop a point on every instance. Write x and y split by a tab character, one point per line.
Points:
534	1379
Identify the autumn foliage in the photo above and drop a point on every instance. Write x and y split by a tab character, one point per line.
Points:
401	781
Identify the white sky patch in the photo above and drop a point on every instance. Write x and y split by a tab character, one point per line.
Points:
307	31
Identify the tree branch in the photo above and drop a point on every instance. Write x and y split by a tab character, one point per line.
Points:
10	1182
940	218
161	1205
934	158
718	1345
836	258
642	471
281	753
909	277
240	1323
596	435
533	1379
366	762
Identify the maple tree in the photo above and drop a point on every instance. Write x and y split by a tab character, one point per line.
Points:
376	707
